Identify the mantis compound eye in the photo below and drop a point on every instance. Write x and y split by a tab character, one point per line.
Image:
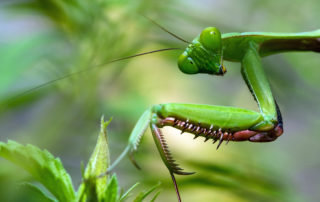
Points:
187	65
210	38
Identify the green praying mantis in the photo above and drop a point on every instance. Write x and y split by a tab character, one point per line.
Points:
205	54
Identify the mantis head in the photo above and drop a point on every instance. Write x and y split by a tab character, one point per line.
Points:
204	54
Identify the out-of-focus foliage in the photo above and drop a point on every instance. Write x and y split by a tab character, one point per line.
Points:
42	40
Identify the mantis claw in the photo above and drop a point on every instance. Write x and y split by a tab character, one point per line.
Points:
228	138
221	140
215	140
165	153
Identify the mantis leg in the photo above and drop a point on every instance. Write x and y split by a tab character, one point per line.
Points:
256	80
218	123
212	122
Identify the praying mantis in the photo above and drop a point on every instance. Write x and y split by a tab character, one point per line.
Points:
205	55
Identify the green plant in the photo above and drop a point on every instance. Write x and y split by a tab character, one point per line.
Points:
49	172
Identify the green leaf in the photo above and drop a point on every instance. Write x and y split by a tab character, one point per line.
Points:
155	196
142	195
42	166
111	192
87	191
44	197
95	179
125	195
100	158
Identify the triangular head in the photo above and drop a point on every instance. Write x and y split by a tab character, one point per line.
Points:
203	54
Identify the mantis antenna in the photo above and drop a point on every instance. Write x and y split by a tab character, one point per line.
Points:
90	68
164	29
106	63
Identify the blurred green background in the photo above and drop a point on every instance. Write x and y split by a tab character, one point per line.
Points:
41	40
